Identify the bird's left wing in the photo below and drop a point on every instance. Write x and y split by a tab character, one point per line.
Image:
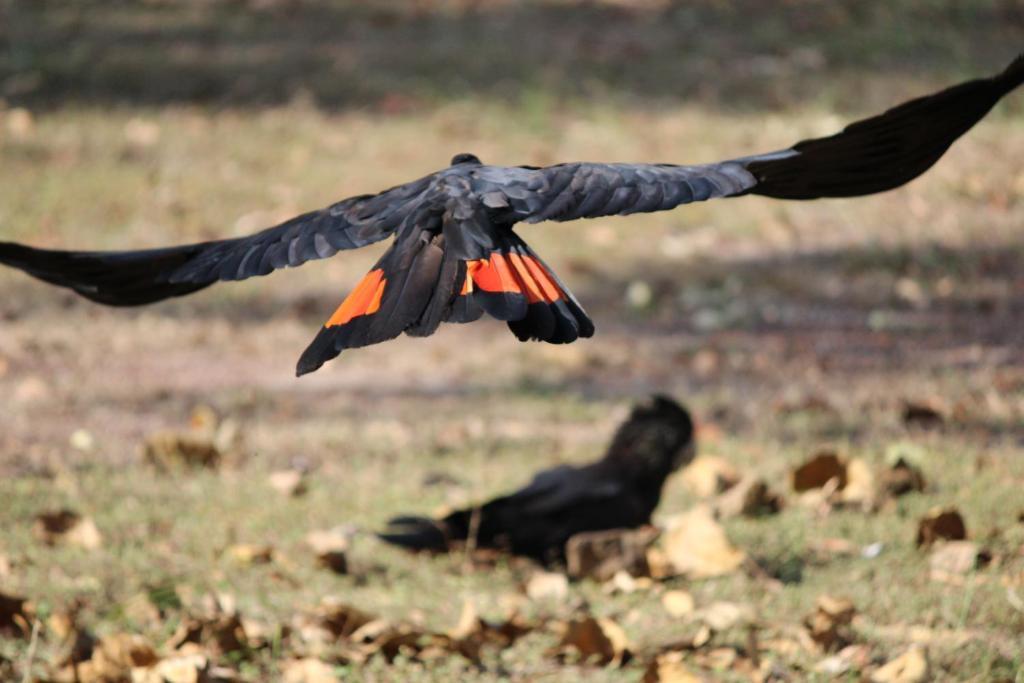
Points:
129	278
563	487
872	155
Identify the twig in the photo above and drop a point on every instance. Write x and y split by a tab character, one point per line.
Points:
31	654
471	537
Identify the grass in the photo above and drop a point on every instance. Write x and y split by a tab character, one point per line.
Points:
755	304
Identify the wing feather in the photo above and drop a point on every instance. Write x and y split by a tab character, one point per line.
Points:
872	155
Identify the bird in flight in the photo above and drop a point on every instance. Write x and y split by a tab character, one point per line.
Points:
619	491
456	254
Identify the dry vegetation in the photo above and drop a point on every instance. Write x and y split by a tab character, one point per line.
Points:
161	470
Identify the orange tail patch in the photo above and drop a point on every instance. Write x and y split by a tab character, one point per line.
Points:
363	300
511	273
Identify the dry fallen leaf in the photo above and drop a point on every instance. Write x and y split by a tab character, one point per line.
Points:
472	633
113	659
924	414
307	670
954	559
818	471
669	667
170	451
940	524
15	615
750	497
290	483
721	615
678	603
183	668
249	553
860	489
902	477
599	640
708	475
623	582
341	619
19	123
141	133
696	545
829	623
330	547
600	554
66	526
544	586
910	667
219	630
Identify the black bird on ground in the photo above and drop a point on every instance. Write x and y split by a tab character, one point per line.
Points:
619	491
456	255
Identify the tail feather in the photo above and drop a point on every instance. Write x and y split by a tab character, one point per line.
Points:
115	278
884	151
391	299
416	533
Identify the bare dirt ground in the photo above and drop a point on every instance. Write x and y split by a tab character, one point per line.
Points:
787	328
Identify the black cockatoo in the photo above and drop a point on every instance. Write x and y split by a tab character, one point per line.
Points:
456	254
619	491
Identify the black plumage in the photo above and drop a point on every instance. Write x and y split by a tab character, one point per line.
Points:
619	491
456	255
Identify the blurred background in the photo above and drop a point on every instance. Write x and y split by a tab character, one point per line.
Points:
786	327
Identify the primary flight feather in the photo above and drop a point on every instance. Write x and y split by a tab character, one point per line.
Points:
456	255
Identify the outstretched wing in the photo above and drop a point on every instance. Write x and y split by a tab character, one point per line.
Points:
128	278
873	155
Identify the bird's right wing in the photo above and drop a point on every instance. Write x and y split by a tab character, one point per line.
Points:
128	278
872	155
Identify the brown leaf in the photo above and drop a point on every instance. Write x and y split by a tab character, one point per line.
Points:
220	633
623	582
708	475
818	471
860	489
113	659
330	547
600	640
19	123
751	497
183	668
670	668
15	615
289	483
678	603
910	667
924	414
341	619
902	477
696	545
940	524
472	633
829	624
248	553
721	616
307	670
66	526
954	559
544	586
383	637
600	554
170	451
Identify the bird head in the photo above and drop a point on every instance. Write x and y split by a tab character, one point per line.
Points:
656	440
465	158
